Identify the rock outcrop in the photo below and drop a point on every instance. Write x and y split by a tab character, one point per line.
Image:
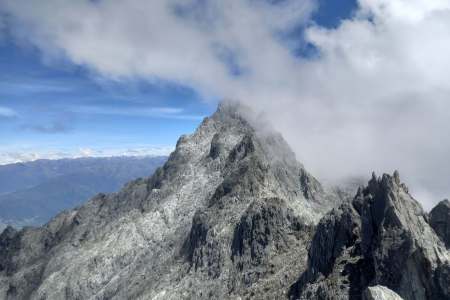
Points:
381	238
380	292
440	221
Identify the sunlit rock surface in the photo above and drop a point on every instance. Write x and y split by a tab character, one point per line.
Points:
380	292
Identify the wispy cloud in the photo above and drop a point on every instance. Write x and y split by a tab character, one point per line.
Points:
6	112
152	112
52	128
20	84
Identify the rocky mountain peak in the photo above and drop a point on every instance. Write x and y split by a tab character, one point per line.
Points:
386	183
366	242
231	109
230	201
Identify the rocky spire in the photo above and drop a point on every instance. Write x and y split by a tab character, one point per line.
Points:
381	238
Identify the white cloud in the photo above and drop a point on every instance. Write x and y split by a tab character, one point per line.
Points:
375	98
29	154
154	112
183	41
379	95
6	112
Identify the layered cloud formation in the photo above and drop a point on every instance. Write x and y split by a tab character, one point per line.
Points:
370	94
203	44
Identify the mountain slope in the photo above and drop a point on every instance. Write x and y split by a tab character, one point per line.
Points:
189	231
232	215
44	188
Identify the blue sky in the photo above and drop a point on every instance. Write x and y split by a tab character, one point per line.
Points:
53	105
60	106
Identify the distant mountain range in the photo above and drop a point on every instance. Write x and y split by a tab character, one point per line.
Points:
31	193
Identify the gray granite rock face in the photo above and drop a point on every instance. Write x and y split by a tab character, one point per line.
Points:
381	238
229	215
268	239
440	221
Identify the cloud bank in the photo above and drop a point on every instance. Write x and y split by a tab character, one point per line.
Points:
374	95
25	154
